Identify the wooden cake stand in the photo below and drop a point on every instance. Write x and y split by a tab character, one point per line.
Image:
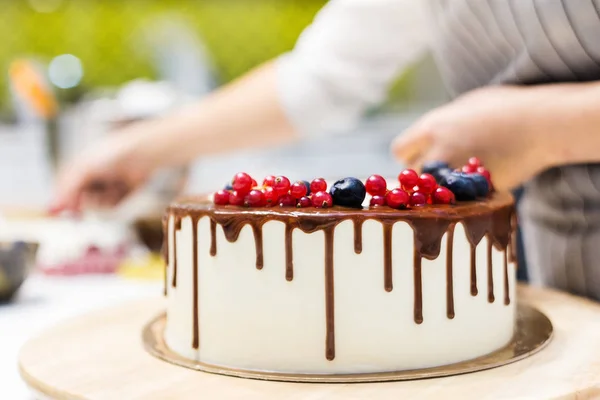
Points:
101	356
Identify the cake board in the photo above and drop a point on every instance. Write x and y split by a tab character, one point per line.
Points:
101	356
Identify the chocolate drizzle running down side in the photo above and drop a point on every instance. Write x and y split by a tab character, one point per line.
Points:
165	250
493	218
490	274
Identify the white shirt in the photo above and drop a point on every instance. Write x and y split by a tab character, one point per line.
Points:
346	60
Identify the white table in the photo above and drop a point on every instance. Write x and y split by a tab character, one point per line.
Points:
43	302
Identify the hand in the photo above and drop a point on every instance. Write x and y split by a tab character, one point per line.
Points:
506	127
102	176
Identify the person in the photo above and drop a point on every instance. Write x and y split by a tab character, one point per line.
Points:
523	74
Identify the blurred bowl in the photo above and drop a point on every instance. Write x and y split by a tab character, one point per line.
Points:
17	259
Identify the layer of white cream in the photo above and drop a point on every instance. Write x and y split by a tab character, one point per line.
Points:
256	320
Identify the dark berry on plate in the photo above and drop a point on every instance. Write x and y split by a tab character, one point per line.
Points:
430	167
271	196
307	184
255	198
426	183
408	179
318	185
487	175
269	181
441	173
221	198
462	187
298	190
236	198
377	201
443	195
322	200
287	200
481	184
242	182
475	162
282	185
228	186
418	199
397	198
348	192
376	185
304	202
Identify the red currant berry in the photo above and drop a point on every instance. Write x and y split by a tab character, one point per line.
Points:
304	202
269	181
469	169
376	185
408	178
242	182
418	199
287	201
255	198
318	185
377	200
486	174
236	198
221	198
397	198
298	190
443	195
322	199
271	196
474	162
254	184
282	185
426	183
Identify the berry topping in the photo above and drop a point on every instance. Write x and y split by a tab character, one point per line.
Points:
474	162
221	198
269	181
304	202
426	183
282	185
242	182
322	199
348	192
418	199
469	169
377	201
481	184
441	173
376	185
443	195
462	187
397	198
298	190
307	184
408	179
255	198
236	198
431	167
318	185
254	184
228	186
271	196
287	200
486	175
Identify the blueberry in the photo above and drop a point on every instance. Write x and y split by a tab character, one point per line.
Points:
481	184
348	192
228	186
439	174
307	184
431	166
461	185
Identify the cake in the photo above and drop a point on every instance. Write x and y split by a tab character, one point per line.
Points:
341	289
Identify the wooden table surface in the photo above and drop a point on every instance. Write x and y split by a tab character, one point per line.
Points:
100	356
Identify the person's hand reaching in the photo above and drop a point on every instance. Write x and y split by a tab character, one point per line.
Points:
511	129
101	176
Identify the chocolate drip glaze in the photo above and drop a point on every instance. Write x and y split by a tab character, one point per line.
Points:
506	294
493	218
490	275
196	337
449	272
176	227
165	250
387	257
358	236
329	296
213	237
